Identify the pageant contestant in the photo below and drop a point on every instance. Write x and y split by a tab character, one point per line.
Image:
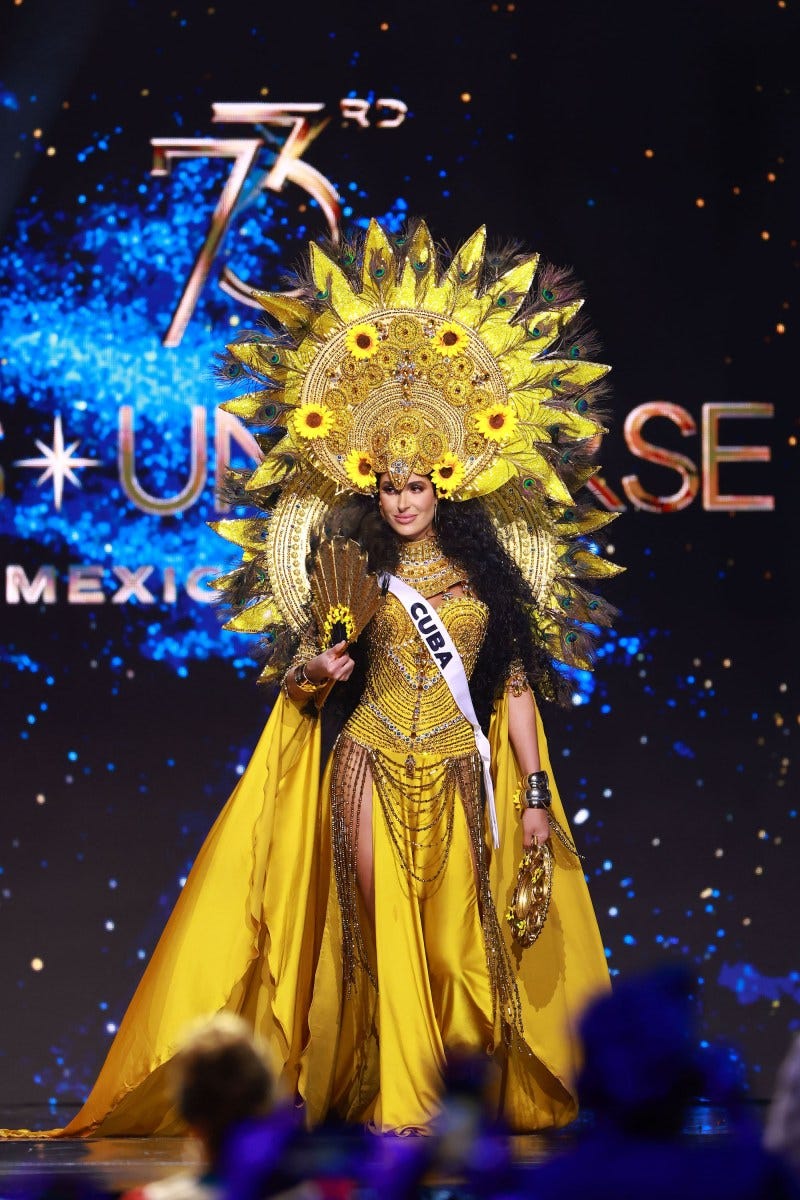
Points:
415	570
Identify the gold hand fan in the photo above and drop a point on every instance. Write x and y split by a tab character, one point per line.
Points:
344	596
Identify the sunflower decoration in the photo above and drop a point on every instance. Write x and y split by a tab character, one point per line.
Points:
447	475
339	619
496	422
311	421
474	369
362	340
359	471
449	339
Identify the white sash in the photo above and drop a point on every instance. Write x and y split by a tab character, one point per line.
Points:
443	651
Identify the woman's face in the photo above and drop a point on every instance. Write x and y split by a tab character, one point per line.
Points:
410	510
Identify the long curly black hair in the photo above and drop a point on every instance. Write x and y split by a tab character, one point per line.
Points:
468	538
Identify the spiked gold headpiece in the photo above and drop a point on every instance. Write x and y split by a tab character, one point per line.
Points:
403	366
391	360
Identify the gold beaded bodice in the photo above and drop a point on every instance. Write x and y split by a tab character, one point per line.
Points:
406	703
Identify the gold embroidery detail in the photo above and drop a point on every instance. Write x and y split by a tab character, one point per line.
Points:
517	679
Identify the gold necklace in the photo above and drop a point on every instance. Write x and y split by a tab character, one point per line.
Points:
424	567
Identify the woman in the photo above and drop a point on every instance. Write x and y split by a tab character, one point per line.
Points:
417	865
440	413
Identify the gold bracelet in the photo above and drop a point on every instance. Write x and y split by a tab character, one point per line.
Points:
301	680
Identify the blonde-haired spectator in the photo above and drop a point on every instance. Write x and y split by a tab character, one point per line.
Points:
220	1078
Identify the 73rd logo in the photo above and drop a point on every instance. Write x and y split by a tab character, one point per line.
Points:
299	124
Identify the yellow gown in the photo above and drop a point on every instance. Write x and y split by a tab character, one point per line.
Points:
359	1016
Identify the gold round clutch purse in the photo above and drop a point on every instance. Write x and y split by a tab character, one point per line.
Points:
530	901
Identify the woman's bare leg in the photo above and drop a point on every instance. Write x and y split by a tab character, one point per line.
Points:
352	790
365	863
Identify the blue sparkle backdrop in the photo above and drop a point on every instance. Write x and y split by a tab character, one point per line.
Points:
649	146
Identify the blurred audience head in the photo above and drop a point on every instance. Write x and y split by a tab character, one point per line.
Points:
220	1078
641	1065
782	1133
53	1185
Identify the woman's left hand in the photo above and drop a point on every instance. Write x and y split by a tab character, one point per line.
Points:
535	827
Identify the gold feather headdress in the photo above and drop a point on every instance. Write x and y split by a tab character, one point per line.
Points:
391	358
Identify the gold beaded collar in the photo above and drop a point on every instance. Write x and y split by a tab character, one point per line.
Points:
424	567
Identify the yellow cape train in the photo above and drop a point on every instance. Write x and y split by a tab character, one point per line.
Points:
257	931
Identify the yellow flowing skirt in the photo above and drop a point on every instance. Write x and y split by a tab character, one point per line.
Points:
257	931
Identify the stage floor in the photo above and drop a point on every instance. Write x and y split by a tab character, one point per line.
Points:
117	1164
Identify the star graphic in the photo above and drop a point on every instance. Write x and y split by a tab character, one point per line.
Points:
58	463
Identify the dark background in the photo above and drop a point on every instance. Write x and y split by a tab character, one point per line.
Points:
123	727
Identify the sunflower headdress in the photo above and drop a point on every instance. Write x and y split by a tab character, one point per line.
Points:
392	358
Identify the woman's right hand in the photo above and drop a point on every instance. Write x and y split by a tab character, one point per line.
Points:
333	664
535	827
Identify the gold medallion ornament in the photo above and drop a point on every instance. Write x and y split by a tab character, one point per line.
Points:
530	900
391	358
